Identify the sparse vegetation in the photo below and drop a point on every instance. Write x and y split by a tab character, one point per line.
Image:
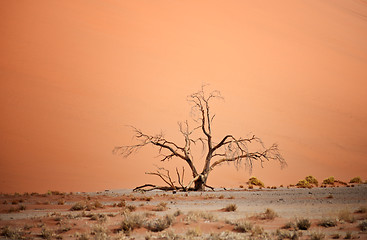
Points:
346	216
230	208
362	209
329	181
303	184
312	180
286	234
363	225
11	233
356	180
242	226
162	206
131	222
157	225
317	236
328	222
194	216
78	206
253	181
269	214
303	224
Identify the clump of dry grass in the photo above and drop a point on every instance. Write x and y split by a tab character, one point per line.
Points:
99	232
230	208
47	233
363	225
162	206
286	234
79	206
269	214
303	224
100	217
362	209
11	233
317	236
158	225
255	182
131	222
346	216
327	222
194	216
242	226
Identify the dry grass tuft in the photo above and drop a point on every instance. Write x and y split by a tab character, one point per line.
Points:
303	224
269	214
230	208
328	222
346	216
162	206
363	225
158	225
131	222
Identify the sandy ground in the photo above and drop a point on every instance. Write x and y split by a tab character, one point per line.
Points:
123	214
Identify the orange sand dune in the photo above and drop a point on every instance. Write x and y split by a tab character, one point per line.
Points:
73	74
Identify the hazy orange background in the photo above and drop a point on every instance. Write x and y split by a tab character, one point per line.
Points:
74	73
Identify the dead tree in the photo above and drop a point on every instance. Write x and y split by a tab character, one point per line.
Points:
228	150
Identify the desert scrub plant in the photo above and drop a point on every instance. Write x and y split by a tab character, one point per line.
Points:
255	182
317	236
269	214
194	216
312	180
303	224
356	180
158	225
289	225
329	181
327	222
162	206
242	226
131	222
303	184
230	208
362	209
346	216
11	233
286	234
79	206
47	233
100	217
99	232
363	225
130	208
193	232
335	236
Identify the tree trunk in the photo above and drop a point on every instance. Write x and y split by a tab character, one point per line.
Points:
199	185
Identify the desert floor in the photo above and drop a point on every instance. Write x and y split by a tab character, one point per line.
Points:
220	214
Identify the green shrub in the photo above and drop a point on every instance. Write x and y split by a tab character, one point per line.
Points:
312	180
356	180
329	180
303	184
255	182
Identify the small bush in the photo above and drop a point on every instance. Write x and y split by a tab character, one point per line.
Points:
158	225
61	202
162	206
362	209
131	208
99	232
303	184
11	233
312	180
356	180
303	224
194	216
335	236
242	226
346	216
269	214
329	181
46	233
285	234
317	236
230	208
177	213
255	182
327	222
78	206
122	203
97	204
289	225
131	222
363	225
